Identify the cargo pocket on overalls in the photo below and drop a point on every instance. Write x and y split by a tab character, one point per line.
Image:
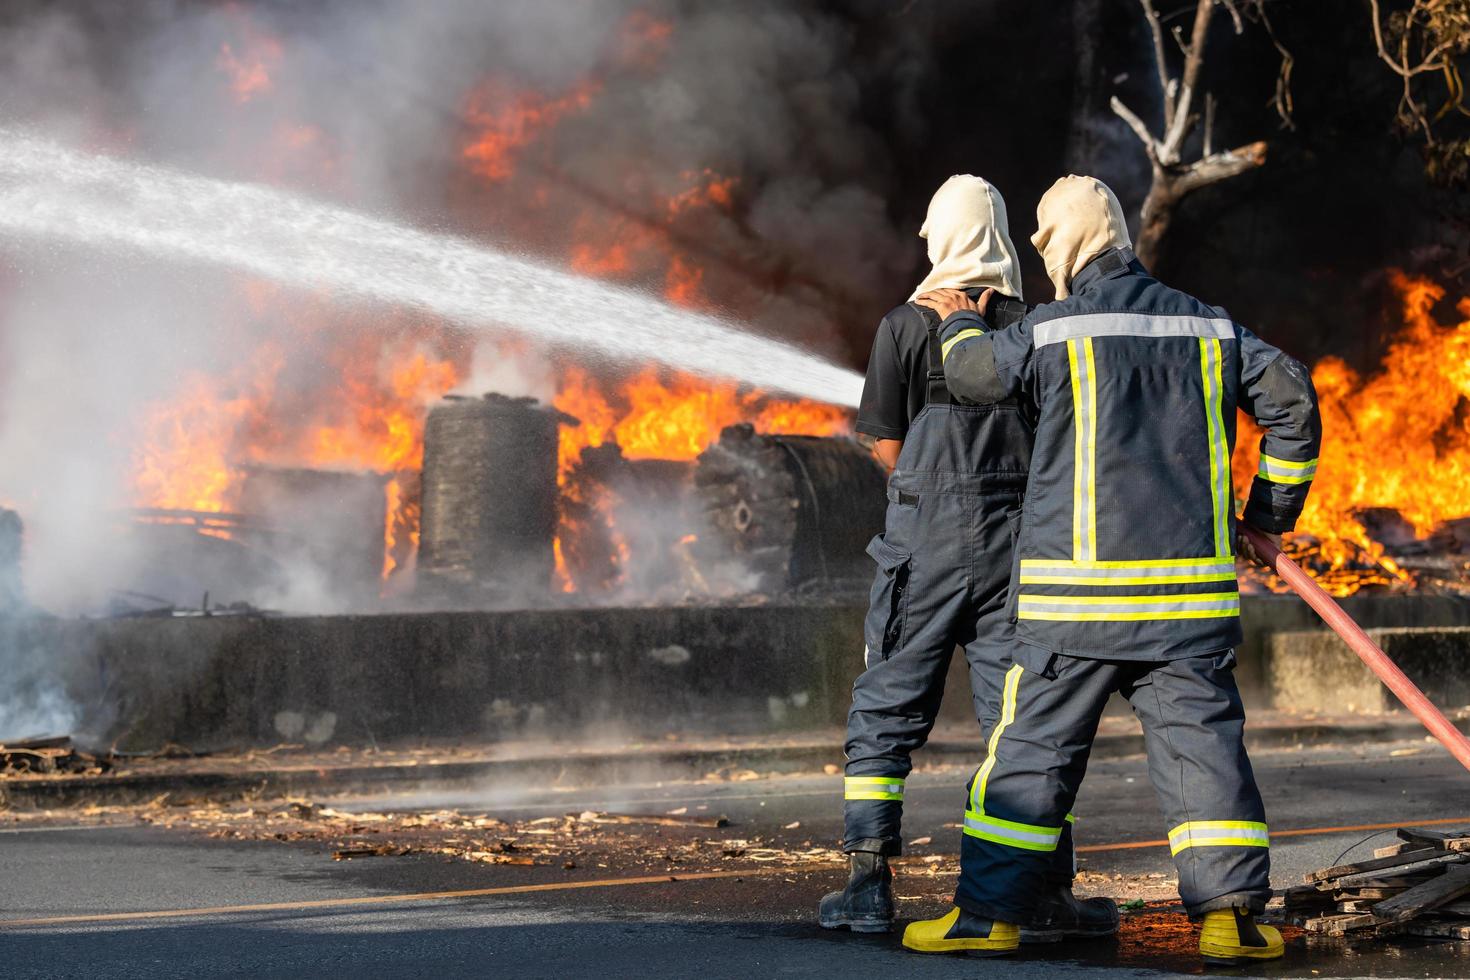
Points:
883	629
1013	591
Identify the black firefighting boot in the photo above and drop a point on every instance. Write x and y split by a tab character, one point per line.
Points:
1231	936
1062	915
961	932
866	904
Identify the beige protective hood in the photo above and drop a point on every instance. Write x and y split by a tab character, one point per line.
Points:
1077	220
969	241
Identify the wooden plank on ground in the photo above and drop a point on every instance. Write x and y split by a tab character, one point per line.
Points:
1376	893
1426	897
1379	874
1377	864
1338	925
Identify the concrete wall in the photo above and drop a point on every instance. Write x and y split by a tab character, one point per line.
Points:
212	682
1318	672
574	673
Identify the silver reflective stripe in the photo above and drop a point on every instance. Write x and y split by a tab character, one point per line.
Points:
1101	604
1130	325
1219	833
1287	470
1012	833
1069	571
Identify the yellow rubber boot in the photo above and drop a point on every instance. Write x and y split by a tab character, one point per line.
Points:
1231	936
960	932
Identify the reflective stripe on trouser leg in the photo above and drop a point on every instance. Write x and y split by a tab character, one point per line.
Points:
1193	724
977	823
1017	807
873	788
1218	833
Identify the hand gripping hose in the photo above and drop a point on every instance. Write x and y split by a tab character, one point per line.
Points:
1404	689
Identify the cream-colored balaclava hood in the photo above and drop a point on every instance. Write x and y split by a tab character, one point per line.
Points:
969	241
1077	220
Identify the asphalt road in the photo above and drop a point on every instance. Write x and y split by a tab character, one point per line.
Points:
388	917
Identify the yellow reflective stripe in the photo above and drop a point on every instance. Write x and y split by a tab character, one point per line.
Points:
1007	715
1219	833
964	334
1126	617
1084	448
1285	470
1214	391
1010	832
1071	819
1203	563
1163	571
872	788
1128	608
1129	600
1032	579
1276	462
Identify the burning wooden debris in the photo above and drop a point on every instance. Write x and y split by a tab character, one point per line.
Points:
1418	887
48	756
1395	560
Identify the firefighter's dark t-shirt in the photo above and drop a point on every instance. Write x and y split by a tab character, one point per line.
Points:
893	392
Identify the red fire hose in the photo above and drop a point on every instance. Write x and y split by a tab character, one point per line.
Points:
1404	689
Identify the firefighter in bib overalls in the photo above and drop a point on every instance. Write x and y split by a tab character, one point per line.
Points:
1125	571
944	561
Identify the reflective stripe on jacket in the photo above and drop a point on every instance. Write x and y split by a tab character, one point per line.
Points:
1126	545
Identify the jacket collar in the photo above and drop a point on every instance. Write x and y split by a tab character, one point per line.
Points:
1111	264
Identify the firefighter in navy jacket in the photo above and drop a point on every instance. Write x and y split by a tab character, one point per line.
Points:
944	561
1124	575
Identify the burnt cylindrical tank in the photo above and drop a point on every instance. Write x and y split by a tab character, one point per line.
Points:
794	511
489	498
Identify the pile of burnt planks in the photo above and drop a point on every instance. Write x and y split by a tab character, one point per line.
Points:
1418	887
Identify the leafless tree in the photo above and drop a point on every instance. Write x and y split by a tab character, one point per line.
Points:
1419	43
1174	178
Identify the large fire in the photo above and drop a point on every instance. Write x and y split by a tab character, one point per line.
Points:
363	404
1398	438
362	407
654	417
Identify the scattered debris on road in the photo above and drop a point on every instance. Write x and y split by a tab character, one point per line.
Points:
1417	887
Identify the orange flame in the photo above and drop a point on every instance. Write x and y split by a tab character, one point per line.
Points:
370	418
507	121
650	416
248	67
1399	438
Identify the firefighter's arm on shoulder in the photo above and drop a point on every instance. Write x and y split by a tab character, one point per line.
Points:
1276	390
983	366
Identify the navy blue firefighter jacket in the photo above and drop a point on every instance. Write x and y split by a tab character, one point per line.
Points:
1126	545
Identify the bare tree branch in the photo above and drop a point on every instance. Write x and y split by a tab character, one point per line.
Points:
1194	59
1282	100
1172	178
1161	65
1234	12
1220	166
1138	127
